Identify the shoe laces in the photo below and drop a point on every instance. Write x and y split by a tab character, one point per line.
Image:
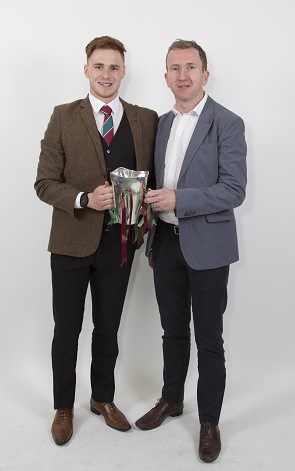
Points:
207	433
63	414
109	407
159	401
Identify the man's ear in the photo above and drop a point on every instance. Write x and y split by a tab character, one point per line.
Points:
205	77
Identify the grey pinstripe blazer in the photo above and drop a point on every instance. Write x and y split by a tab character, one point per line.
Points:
211	183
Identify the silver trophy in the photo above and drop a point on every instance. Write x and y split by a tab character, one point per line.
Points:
129	187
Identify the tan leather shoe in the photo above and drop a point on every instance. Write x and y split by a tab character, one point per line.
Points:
112	415
210	444
62	426
156	416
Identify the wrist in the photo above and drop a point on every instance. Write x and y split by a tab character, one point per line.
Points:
84	200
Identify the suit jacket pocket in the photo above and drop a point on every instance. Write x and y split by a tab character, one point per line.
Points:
223	216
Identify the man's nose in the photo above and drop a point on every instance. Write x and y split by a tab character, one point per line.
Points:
182	73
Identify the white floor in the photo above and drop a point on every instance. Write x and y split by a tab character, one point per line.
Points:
257	426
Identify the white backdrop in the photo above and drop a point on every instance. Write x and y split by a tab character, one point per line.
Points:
250	48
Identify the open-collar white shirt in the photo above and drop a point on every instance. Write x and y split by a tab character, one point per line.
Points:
180	135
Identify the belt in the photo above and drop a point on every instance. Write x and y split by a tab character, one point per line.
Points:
162	225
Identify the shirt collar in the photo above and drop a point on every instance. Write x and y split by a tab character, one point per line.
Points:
97	104
196	111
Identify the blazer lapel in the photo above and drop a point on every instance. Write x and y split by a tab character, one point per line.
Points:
202	128
136	131
89	121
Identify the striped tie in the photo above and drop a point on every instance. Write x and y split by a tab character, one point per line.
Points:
108	125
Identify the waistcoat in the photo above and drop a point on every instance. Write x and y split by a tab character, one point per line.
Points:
121	151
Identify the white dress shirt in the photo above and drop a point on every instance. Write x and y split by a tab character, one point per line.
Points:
180	135
117	111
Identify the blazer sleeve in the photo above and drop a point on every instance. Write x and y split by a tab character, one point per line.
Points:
50	183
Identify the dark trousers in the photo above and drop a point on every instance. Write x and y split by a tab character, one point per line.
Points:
108	282
181	290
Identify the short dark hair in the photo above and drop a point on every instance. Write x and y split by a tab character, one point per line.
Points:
105	42
184	44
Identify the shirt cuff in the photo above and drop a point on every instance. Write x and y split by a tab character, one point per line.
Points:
77	202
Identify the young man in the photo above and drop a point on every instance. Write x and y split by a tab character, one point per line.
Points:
85	141
200	164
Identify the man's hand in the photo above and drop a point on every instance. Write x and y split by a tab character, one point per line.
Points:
102	197
161	200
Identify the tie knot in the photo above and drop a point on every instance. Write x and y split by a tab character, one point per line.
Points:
107	110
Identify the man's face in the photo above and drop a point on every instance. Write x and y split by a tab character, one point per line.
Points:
105	70
185	76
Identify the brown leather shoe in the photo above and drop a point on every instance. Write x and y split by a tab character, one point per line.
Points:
112	415
156	416
210	445
62	426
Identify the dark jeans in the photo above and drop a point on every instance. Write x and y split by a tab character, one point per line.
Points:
181	290
108	282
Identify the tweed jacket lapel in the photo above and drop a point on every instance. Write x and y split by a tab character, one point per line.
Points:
134	122
89	121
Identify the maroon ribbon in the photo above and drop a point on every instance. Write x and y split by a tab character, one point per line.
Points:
124	226
131	204
147	214
123	230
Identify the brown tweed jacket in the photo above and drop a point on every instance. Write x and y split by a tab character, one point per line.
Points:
72	160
